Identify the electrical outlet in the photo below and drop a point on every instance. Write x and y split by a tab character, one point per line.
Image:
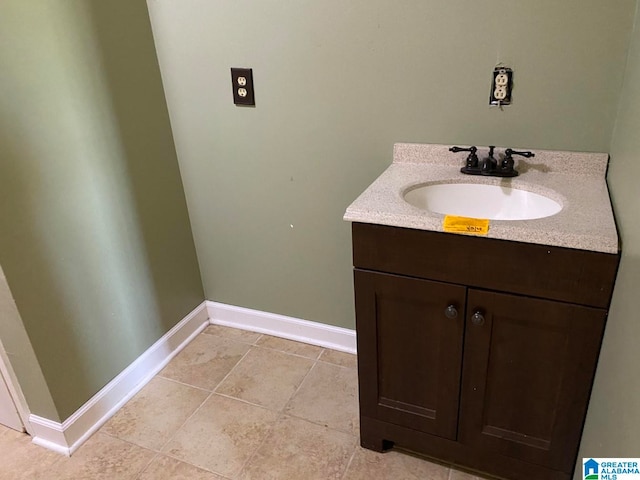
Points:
500	93
242	83
501	86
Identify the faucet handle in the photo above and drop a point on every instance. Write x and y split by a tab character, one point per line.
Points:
507	162
462	149
509	152
472	159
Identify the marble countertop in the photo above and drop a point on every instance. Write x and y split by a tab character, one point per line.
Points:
575	180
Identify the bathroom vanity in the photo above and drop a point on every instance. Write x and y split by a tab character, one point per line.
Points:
480	351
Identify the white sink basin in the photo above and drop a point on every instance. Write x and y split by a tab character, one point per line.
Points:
492	202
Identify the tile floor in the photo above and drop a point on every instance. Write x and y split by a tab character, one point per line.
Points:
233	405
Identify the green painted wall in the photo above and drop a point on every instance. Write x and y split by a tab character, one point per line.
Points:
337	83
21	358
612	423
94	233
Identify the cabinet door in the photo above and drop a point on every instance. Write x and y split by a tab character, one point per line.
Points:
527	376
409	351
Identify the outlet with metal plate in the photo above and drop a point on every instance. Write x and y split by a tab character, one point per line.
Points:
501	86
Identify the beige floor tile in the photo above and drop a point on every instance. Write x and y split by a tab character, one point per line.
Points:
266	377
339	358
166	468
228	438
103	457
244	336
21	459
368	465
154	415
297	449
289	346
222	435
328	396
205	361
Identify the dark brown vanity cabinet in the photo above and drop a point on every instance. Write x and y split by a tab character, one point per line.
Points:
410	334
475	351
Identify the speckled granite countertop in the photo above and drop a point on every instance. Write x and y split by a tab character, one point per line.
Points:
575	180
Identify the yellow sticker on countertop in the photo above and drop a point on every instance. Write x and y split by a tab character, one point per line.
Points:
472	226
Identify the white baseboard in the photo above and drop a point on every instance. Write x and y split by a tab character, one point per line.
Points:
328	336
66	437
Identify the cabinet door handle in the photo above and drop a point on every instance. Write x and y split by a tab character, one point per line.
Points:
477	318
451	312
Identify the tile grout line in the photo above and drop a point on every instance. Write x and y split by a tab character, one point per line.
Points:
355	448
204	469
246	402
173	457
125	441
147	465
171	437
182	383
156	451
255	452
353	455
261	335
337	365
287	353
315	364
213	392
316	360
280	412
206	399
351	434
232	369
235	339
160	452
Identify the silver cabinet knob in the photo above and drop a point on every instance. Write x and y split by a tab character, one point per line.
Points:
477	318
451	312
